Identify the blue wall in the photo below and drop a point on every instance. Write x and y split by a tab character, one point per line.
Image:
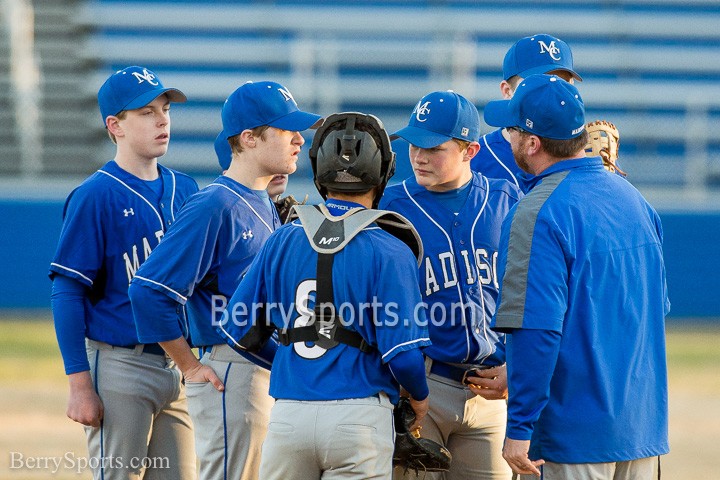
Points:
28	235
30	229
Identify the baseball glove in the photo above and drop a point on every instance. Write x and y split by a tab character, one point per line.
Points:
411	451
604	141
284	205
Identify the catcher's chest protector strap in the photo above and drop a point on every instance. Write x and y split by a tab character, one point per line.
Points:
328	235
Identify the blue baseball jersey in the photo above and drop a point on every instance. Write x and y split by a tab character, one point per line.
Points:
458	279
203	257
367	293
495	160
588	282
111	224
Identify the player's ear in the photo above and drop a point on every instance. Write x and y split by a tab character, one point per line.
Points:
471	151
113	125
247	137
506	90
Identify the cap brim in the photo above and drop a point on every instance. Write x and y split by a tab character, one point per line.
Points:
174	95
297	121
550	67
223	150
497	113
420	137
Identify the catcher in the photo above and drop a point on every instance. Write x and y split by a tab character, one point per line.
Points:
337	371
604	142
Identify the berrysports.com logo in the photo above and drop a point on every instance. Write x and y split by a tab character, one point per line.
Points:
388	314
70	462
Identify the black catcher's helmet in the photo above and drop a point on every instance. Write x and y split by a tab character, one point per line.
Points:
351	153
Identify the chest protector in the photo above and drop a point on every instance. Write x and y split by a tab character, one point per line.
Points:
328	235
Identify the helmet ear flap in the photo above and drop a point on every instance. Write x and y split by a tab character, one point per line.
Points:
351	152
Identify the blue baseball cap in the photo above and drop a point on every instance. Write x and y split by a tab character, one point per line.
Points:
544	105
223	151
132	88
540	53
255	104
439	117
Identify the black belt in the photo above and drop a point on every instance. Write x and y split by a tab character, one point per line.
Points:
152	348
453	372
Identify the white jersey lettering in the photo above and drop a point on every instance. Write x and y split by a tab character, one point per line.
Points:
449	274
486	269
468	267
132	264
431	284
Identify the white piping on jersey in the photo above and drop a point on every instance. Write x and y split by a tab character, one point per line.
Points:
227	334
475	259
172	199
162	226
403	344
452	251
73	271
246	203
512	175
161	285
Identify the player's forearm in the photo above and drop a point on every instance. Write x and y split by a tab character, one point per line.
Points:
80	381
408	367
68	306
182	354
531	358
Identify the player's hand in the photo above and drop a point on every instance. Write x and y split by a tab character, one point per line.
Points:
515	453
491	384
202	374
421	408
84	404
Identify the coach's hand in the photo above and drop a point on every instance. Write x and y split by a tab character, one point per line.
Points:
491	384
84	404
515	453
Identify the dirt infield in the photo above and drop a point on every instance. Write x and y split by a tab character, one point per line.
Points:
36	438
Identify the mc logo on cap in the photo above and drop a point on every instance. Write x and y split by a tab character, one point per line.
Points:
132	88
539	53
439	117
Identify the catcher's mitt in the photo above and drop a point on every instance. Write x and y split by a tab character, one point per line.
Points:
604	141
411	451
284	205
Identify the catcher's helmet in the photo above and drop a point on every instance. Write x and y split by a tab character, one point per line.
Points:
351	153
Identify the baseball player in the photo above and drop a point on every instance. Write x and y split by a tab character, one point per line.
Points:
584	297
278	183
335	376
540	53
458	214
200	263
125	391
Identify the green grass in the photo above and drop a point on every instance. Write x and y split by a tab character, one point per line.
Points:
25	339
32	383
694	346
29	352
